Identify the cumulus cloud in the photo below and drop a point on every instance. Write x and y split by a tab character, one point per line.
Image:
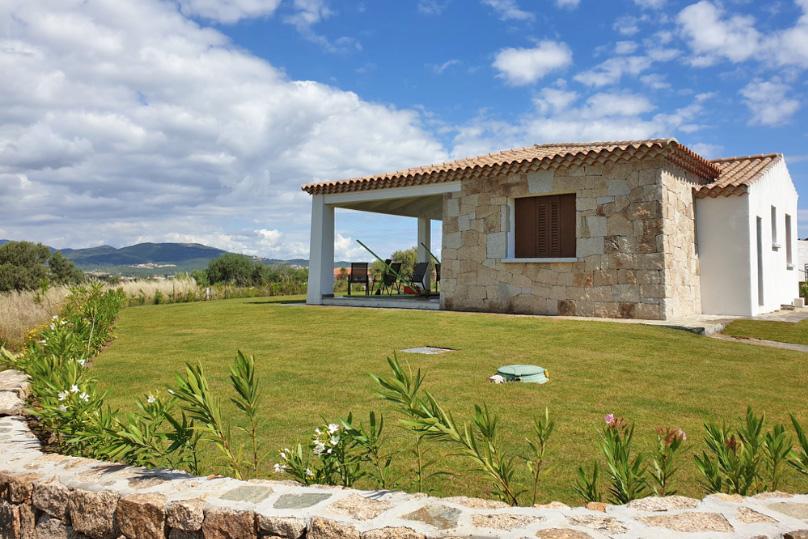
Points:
525	66
712	34
432	7
613	69
571	4
651	4
508	10
768	101
124	118
625	47
228	11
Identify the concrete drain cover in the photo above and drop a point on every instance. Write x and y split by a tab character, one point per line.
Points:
427	350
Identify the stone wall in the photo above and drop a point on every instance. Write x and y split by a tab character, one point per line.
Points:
627	214
49	496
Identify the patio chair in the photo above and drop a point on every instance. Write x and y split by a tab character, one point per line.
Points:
419	274
389	279
359	274
437	276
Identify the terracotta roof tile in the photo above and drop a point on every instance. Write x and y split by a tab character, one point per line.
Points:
530	158
737	174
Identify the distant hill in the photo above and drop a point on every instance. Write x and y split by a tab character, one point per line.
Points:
182	257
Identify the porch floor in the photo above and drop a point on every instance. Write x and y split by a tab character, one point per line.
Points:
386	302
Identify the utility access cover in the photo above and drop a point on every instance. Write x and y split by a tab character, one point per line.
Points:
427	350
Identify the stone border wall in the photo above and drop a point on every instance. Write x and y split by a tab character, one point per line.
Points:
49	496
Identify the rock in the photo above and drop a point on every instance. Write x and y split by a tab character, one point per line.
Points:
598	523
552	505
559	533
322	528
733	498
11	403
596	506
770	495
299	501
51	497
48	527
186	515
439	516
182	534
287	527
221	523
667	503
20	487
359	507
14	381
503	521
690	522
252	494
748	516
141	516
27	522
799	534
393	533
93	513
796	510
9	520
476	503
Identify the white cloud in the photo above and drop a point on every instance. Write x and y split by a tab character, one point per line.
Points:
652	4
712	35
625	47
432	7
628	25
307	13
554	100
570	4
707	151
525	66
508	10
439	69
768	101
126	120
613	69
655	81
228	11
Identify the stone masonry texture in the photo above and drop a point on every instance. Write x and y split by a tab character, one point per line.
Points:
635	244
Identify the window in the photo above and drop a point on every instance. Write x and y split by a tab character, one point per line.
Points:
789	260
544	226
775	245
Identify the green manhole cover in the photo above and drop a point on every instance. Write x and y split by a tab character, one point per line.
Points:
524	373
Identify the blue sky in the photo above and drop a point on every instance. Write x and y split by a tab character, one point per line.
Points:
124	121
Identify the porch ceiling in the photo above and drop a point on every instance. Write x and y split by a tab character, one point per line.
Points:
430	206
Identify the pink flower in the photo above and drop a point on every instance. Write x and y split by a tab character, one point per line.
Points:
682	435
609	419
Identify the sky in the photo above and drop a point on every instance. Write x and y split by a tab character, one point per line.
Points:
128	121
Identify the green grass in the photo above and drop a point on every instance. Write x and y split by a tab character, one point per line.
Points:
314	363
770	331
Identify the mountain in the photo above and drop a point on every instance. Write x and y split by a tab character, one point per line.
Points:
142	253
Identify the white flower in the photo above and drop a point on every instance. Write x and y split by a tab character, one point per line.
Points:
62	395
317	432
335	440
63	322
52	327
43	341
171	391
329	451
283	455
150	399
74	388
319	448
279	468
82	362
332	428
55	317
62	408
85	397
309	473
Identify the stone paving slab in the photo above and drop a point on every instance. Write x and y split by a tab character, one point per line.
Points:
56	495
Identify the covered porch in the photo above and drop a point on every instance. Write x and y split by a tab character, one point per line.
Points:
424	203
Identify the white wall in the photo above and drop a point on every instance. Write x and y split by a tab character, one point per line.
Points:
726	229
724	238
802	258
780	282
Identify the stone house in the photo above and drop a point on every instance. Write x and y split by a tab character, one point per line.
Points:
635	229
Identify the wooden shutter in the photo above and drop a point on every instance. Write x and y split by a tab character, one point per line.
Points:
545	227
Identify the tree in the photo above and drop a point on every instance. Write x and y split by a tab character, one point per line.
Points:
230	268
25	265
407	258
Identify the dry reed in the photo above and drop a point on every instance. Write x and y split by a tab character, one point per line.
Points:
20	311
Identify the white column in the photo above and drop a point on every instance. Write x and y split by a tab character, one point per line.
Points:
321	257
424	238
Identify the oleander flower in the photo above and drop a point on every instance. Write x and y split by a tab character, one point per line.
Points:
309	473
62	408
74	388
151	399
85	397
609	419
279	468
332	428
62	395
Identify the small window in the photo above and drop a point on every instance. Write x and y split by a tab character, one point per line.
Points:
789	260
775	245
544	226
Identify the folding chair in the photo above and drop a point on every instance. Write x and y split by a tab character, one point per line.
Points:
359	274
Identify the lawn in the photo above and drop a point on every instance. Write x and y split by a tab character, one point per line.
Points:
314	363
770	331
